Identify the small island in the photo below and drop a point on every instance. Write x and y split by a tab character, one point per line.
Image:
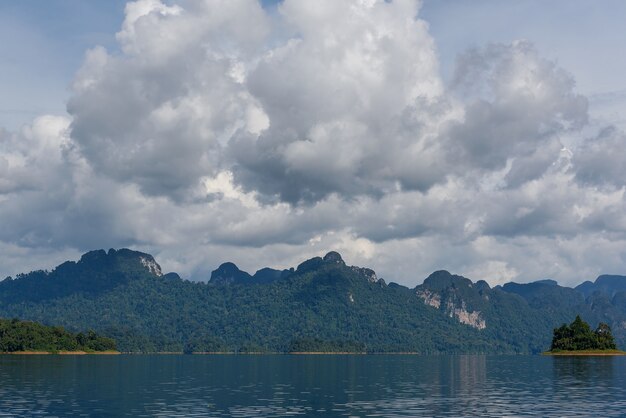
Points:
578	339
25	337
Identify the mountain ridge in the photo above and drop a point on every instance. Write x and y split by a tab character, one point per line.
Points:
125	295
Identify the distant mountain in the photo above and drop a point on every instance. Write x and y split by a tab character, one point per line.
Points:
547	296
229	273
321	303
606	284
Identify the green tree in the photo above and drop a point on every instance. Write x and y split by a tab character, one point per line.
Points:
579	336
605	337
16	335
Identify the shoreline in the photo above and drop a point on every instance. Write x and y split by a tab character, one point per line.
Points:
583	353
60	353
273	353
299	353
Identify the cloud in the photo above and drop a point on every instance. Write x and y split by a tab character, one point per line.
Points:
600	159
223	131
159	114
344	105
518	104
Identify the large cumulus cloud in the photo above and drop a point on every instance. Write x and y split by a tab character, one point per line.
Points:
159	114
352	101
221	131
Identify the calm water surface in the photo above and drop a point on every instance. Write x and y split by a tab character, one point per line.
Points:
326	386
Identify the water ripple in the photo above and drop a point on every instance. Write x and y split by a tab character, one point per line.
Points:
307	386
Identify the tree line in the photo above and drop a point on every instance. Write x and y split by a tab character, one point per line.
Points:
16	335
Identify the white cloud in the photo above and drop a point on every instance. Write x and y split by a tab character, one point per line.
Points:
346	98
160	114
222	133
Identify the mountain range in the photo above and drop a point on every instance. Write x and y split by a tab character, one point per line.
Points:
323	304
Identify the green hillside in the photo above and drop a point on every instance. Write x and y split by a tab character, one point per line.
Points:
321	303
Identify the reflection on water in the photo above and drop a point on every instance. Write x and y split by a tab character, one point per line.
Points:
341	386
581	369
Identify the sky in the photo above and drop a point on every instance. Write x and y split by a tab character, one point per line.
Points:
482	137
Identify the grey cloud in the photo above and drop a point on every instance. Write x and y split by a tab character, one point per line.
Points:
533	165
336	101
511	74
202	141
42	187
518	105
136	126
601	160
409	214
158	115
610	221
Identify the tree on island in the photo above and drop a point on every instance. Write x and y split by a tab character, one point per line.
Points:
579	336
16	335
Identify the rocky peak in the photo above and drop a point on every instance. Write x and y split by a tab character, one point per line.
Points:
482	285
227	268
442	279
269	275
228	273
333	257
123	259
309	265
606	284
93	256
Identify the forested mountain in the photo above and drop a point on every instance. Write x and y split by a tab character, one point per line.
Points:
607	285
323	304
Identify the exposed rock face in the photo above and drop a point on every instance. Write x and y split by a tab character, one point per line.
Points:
429	298
472	319
461	313
448	293
151	265
369	274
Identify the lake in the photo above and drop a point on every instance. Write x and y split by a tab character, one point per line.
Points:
311	385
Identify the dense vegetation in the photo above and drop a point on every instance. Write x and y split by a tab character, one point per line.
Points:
16	335
322	305
320	299
579	336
